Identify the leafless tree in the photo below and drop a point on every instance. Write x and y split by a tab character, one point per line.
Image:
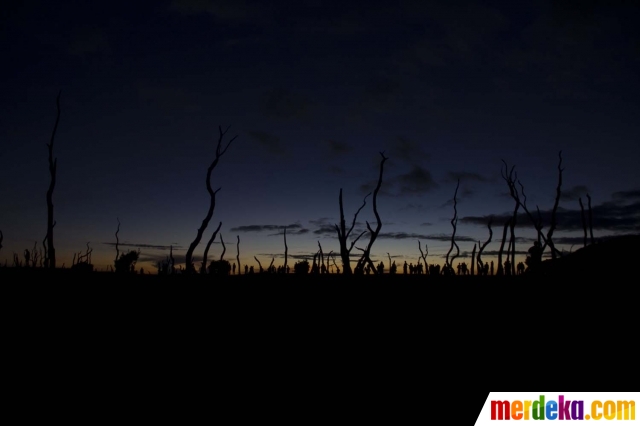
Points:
286	250
473	259
504	239
584	221
238	254
224	248
259	264
590	220
343	235
454	224
423	256
117	242
511	178
203	268
373	233
479	258
50	261
212	204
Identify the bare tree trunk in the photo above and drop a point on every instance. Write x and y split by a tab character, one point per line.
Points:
50	261
259	264
552	227
203	268
212	203
366	255
504	238
584	221
224	248
238	255
480	263
343	235
424	257
117	242
286	250
590	220
473	259
322	259
454	224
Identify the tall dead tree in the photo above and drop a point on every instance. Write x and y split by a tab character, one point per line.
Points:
259	264
343	235
423	256
479	258
203	268
286	250
224	248
212	203
1	238
238	254
117	242
504	239
50	261
473	259
454	224
511	178
590	219
373	233
584	221
322	265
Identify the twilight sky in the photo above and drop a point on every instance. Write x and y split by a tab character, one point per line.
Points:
314	90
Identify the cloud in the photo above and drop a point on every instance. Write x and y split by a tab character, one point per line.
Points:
268	141
416	182
426	224
414	236
406	150
574	193
626	195
613	216
293	228
144	245
281	103
339	147
464	177
230	11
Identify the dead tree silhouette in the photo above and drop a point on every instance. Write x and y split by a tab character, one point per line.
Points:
238	254
203	268
1	239
486	243
286	249
224	248
454	224
373	234
510	177
511	180
590	219
212	204
473	259
50	260
259	264
83	261
504	239
343	235
117	242
323	267
423	256
584	221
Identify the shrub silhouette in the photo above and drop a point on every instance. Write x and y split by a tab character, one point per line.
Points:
219	267
301	267
126	262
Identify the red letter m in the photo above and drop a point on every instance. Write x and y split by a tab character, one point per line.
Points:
500	410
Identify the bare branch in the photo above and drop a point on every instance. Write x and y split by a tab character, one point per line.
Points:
212	202
238	255
53	167
203	267
224	248
117	242
590	220
454	224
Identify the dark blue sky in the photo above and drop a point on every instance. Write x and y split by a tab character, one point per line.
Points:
314	90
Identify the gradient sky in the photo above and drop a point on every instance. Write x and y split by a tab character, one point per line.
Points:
314	90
